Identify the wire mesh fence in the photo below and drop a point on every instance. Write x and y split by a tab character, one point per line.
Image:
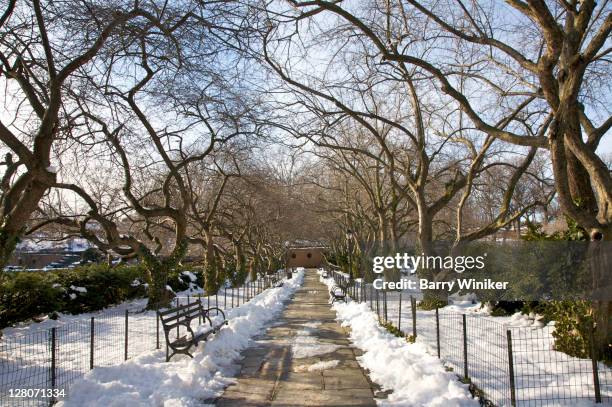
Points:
505	365
38	368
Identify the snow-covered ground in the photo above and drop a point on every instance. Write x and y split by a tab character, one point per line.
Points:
148	380
25	357
415	377
544	376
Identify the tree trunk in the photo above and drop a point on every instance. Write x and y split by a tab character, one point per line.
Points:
431	298
8	241
600	262
579	183
18	213
157	271
211	284
159	295
241	270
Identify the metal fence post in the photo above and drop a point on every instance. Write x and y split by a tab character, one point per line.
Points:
52	371
377	306
596	386
511	369
125	353
465	356
385	305
414	322
91	343
399	316
438	331
177	313
364	297
157	329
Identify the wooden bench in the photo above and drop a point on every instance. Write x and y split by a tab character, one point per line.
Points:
173	318
337	293
275	281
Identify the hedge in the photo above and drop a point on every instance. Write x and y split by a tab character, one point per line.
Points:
27	295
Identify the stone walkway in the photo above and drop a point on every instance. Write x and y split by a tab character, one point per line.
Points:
304	359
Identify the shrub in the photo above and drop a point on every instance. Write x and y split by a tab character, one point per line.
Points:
26	295
179	280
573	326
105	286
430	303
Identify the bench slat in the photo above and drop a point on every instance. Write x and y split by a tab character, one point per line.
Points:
196	303
183	315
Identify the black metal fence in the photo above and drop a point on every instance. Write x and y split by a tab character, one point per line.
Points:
506	365
38	368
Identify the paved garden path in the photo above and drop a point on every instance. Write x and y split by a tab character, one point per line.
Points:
304	359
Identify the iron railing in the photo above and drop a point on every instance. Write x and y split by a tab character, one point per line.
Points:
38	367
505	365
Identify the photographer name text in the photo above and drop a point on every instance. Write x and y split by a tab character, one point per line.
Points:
425	284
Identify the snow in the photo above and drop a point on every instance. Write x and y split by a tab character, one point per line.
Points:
148	380
192	277
543	375
41	243
423	380
468	298
81	290
304	345
52	169
25	346
319	366
326	364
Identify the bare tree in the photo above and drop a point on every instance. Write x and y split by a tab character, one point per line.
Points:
539	80
40	53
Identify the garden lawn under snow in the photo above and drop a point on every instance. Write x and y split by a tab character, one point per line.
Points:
147	380
415	377
543	376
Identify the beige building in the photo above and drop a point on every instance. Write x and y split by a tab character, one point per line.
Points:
309	257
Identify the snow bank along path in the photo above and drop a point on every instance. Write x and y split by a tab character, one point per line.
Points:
415	377
148	380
